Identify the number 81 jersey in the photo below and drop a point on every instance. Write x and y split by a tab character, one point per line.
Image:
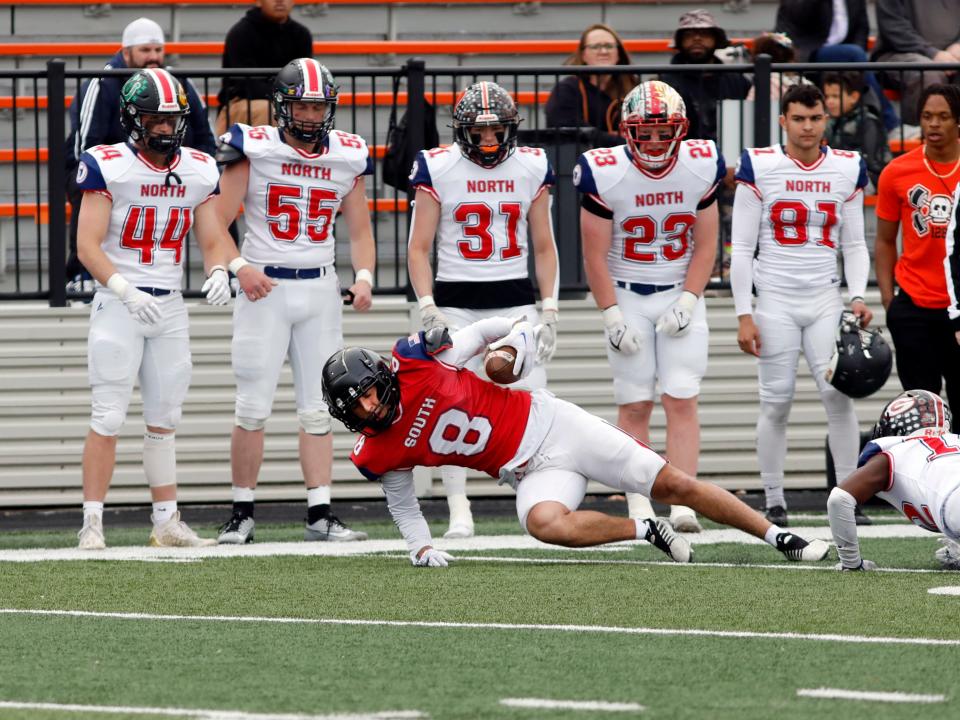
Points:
653	215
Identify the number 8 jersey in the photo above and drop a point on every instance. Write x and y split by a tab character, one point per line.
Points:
293	196
653	215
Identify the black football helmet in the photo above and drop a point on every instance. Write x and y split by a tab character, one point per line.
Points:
305	80
485	104
914	412
862	360
347	375
154	91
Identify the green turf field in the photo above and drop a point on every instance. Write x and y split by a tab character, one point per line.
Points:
735	635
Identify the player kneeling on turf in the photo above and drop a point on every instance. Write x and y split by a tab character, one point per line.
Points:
423	408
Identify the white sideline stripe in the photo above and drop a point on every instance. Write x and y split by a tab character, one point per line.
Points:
208	714
946	590
596	705
894	697
605	629
366	547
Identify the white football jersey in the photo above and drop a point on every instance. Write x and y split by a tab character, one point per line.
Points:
293	196
150	217
482	233
653	217
924	471
802	213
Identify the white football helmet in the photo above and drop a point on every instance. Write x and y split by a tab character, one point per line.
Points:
647	106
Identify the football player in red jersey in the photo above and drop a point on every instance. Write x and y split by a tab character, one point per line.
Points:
424	408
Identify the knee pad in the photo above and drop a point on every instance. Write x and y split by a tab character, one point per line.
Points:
315	422
107	420
775	413
250	424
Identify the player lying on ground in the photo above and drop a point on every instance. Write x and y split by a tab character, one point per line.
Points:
424	409
913	462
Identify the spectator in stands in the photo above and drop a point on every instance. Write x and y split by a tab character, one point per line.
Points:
780	48
854	124
918	31
266	37
833	31
593	100
697	38
915	195
94	120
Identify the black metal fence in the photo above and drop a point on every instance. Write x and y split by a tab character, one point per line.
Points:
33	202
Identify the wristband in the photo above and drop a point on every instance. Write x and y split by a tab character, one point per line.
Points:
237	264
118	284
856	298
425	302
550	303
215	268
364	275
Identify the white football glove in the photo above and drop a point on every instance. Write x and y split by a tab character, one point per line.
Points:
217	287
949	554
139	304
431	317
432	558
622	338
524	340
676	320
547	336
864	565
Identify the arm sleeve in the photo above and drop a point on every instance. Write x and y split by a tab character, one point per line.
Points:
747	208
405	509
951	264
843	526
470	341
856	257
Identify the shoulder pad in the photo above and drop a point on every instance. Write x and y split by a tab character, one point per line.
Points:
437	340
227	154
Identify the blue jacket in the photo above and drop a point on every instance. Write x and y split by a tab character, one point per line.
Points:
95	116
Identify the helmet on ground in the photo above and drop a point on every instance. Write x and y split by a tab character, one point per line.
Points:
486	104
347	376
305	80
914	412
154	91
862	360
652	106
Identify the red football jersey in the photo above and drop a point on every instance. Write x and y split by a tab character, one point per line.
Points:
447	416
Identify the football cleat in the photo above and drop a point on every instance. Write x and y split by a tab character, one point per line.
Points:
238	530
661	535
777	515
176	533
684	520
796	549
330	529
91	534
948	555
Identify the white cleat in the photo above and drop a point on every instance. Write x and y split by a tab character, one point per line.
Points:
176	533
662	536
459	529
91	534
684	520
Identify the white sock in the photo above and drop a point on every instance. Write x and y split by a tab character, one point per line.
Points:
454	480
92	508
159	459
642	528
770	537
317	496
459	507
243	494
163	511
638	506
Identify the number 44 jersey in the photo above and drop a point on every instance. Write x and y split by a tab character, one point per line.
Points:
152	213
653	215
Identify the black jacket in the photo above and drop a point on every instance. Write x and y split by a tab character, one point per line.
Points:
701	92
569	98
255	42
807	22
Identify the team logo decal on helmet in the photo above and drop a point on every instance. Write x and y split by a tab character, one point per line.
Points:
653	122
486	104
305	80
862	360
914	412
154	91
347	376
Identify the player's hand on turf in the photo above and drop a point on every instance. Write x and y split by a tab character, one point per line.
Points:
431	317
523	339
431	557
748	336
254	283
362	295
863	313
622	338
864	565
217	287
547	336
676	321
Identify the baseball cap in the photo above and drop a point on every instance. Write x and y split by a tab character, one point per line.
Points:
700	19
142	31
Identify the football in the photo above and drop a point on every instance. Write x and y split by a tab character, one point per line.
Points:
498	364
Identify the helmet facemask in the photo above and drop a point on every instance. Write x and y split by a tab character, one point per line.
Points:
311	131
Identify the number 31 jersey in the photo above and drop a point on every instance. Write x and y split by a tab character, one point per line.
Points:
653	216
482	233
293	196
152	213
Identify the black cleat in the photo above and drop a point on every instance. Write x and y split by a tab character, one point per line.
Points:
777	515
238	530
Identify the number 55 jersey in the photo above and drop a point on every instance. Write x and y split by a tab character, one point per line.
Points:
653	214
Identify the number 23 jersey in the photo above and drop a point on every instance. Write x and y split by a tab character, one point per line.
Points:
653	216
293	196
151	214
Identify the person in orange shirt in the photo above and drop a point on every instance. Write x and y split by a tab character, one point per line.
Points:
916	195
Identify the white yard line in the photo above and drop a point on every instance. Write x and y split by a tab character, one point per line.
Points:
208	714
945	590
890	697
603	629
588	705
